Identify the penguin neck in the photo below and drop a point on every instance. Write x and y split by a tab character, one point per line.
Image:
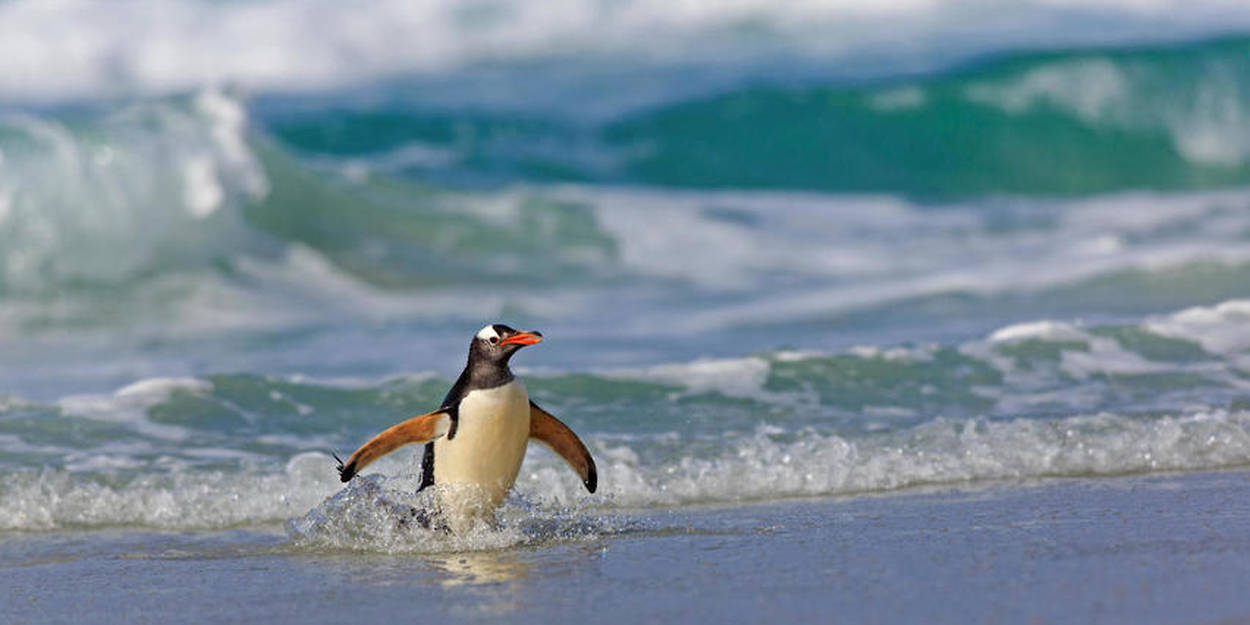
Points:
484	374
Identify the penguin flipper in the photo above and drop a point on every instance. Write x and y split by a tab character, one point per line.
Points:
416	430
551	432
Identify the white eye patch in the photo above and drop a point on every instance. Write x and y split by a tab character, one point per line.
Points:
487	333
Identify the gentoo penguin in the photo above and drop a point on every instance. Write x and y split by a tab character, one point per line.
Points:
476	440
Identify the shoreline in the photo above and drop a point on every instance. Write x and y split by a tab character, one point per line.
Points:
1165	548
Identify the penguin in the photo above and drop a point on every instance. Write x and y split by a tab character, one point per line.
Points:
476	439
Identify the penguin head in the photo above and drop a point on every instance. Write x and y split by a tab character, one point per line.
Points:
498	342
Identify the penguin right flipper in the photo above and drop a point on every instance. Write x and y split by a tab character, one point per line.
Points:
554	434
416	430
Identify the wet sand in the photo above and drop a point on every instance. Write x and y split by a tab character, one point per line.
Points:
1155	549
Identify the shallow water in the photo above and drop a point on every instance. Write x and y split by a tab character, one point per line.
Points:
1165	549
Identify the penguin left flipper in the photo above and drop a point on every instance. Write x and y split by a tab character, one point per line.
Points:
556	435
416	430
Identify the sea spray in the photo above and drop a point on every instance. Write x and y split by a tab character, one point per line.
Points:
1036	400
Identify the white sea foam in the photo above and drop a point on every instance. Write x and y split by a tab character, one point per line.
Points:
1095	354
156	184
1105	93
81	47
841	253
157	389
732	377
159	478
56	499
1106	356
1220	329
117	485
1045	330
768	464
129	405
939	452
1090	88
742	258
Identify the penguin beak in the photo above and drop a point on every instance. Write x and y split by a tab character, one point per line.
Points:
523	338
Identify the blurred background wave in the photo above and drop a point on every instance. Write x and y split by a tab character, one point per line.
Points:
232	233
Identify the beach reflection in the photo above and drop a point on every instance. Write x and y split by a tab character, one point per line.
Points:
477	568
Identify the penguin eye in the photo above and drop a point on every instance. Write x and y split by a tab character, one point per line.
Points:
494	340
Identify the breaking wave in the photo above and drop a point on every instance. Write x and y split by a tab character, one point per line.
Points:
1036	400
1160	117
270	45
180	206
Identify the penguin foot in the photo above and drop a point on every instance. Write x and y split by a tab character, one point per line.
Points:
346	473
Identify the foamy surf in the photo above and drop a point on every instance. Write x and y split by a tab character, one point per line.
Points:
381	514
281	45
770	463
207	234
1043	399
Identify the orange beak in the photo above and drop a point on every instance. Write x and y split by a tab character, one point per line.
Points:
523	338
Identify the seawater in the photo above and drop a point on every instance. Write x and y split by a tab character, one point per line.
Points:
767	267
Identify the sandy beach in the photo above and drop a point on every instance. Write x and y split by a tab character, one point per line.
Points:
1167	549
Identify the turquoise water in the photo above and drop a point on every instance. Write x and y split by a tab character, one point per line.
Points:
789	253
1052	123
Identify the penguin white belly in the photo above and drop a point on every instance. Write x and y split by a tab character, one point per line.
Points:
474	470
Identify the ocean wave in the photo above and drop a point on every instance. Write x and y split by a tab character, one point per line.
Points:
1033	400
105	198
283	45
174	215
175	185
185	194
1163	363
319	257
938	452
273	233
1032	124
760	466
201	500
